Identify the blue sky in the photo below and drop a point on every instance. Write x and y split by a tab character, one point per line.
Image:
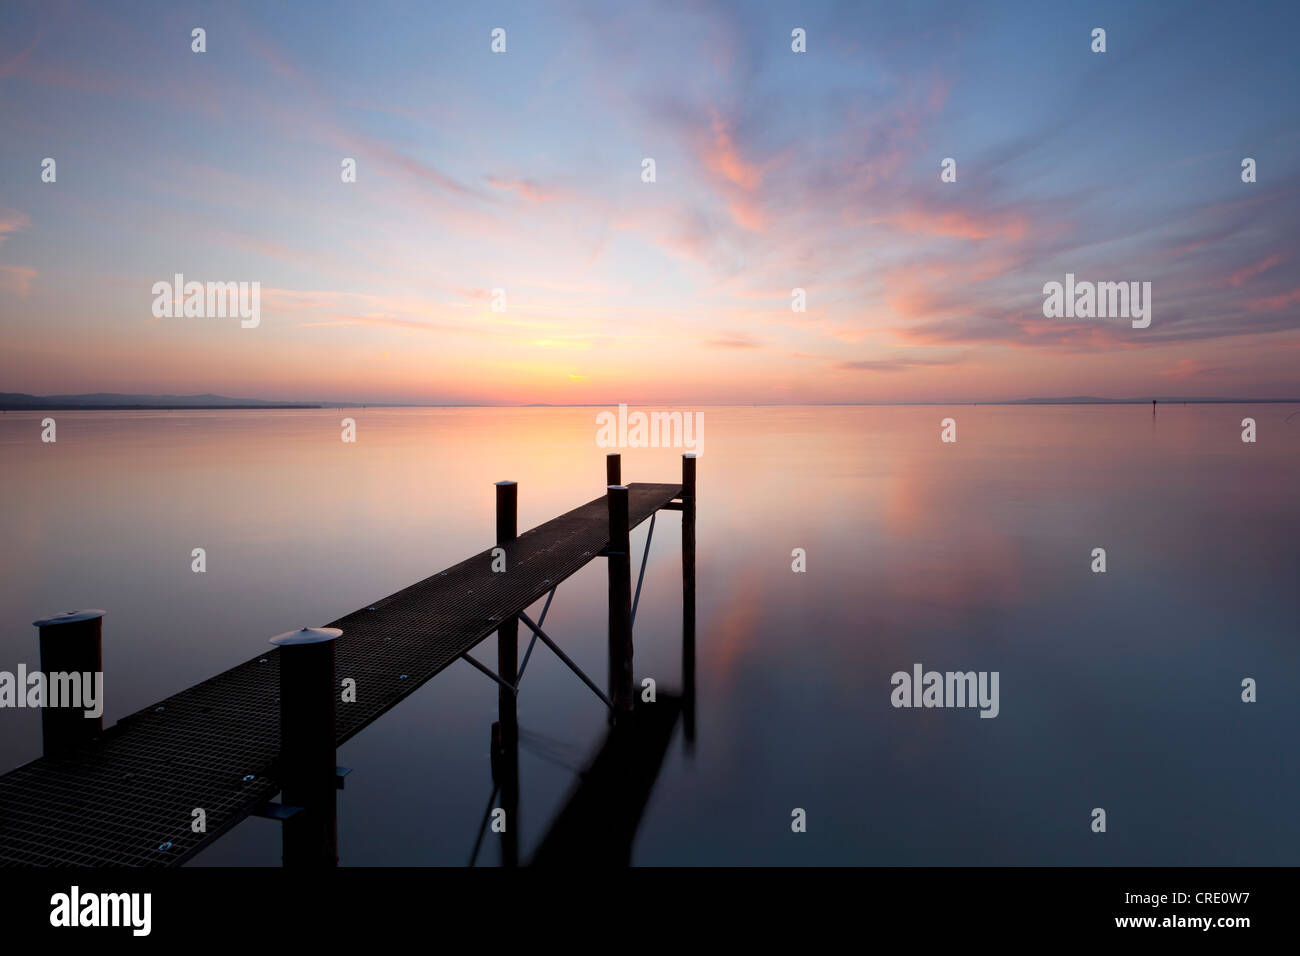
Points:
775	170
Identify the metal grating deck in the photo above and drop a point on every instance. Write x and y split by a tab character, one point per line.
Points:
127	799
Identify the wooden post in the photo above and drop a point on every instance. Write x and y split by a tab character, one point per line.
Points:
71	643
613	469
620	601
688	598
508	668
307	769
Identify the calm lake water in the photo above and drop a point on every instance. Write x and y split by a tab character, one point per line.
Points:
1119	690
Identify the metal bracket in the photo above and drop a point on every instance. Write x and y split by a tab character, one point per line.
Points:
270	810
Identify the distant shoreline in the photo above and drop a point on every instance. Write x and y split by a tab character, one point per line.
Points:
143	408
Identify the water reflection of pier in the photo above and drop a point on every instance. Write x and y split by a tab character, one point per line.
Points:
599	820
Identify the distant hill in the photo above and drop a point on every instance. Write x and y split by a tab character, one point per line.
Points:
1172	400
112	400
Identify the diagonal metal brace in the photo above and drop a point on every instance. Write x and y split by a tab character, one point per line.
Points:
564	657
641	577
519	679
491	673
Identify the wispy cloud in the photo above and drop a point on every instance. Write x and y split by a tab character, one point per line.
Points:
524	188
11	221
17	280
735	340
899	364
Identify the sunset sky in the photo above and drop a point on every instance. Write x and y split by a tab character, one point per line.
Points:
775	170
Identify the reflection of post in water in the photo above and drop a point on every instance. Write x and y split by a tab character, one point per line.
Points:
598	823
505	737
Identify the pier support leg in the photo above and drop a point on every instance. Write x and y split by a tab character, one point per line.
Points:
308	775
688	598
619	565
507	759
613	469
71	643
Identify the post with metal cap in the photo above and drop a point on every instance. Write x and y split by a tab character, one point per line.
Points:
307	769
619	566
613	469
71	643
507	760
688	598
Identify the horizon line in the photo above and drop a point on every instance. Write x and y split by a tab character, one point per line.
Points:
142	402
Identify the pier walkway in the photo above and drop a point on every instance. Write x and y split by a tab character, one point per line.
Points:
127	796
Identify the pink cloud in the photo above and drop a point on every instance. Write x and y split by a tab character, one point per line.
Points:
418	169
736	178
721	157
1190	368
961	225
14	63
747	212
1274	303
938	95
525	188
1249	272
16	279
11	221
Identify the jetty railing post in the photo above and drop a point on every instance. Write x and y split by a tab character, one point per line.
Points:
619	565
688	597
71	643
613	469
508	669
308	772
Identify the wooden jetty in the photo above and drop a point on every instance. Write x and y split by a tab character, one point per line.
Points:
127	795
